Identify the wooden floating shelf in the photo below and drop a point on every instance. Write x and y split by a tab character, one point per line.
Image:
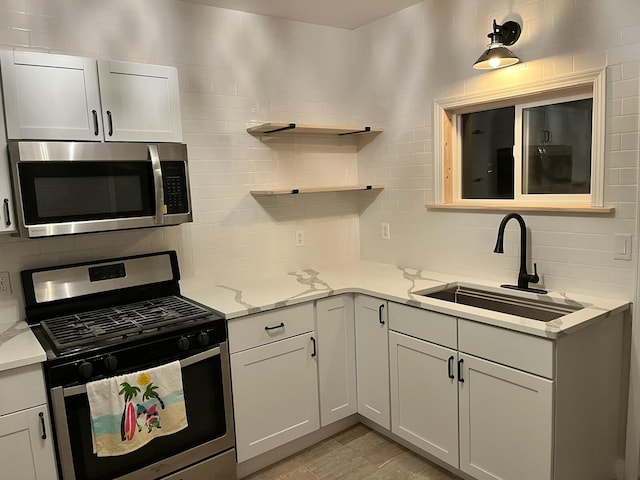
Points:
297	191
281	129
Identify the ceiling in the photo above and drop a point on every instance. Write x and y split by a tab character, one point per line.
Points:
348	14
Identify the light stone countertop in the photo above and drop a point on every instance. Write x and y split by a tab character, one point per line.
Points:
240	295
18	346
253	293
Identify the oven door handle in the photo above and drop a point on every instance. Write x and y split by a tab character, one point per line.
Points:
157	183
198	357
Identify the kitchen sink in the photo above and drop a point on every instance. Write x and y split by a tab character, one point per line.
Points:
499	302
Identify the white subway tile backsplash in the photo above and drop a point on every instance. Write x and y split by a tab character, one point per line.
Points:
629	141
624	124
558	38
237	70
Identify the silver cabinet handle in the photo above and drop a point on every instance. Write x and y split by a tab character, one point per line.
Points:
157	183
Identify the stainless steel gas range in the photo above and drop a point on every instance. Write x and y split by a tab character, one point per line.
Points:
112	317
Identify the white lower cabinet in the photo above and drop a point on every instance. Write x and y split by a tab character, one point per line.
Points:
493	403
291	368
489	420
336	358
506	422
26	445
26	439
274	378
275	394
372	359
424	395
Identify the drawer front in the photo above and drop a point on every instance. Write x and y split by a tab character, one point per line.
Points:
21	388
518	350
262	328
423	324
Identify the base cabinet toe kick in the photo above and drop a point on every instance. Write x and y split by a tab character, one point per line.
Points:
485	402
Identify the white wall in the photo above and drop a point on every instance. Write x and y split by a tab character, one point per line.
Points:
425	53
235	70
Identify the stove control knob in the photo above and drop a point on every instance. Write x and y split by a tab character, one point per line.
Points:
85	369
203	338
184	343
110	363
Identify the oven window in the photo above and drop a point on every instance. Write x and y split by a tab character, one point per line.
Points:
55	192
204	400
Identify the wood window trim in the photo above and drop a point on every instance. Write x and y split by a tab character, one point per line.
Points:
445	145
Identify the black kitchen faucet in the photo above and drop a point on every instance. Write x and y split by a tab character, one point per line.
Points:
523	277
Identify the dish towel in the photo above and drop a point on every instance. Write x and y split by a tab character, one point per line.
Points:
128	411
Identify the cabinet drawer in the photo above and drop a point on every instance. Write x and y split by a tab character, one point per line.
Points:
267	327
515	349
21	388
430	326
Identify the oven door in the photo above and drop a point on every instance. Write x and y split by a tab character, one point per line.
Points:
207	392
73	187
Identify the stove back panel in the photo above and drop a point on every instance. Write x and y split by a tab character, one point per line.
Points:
69	289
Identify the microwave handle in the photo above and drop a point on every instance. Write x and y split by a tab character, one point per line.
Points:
157	184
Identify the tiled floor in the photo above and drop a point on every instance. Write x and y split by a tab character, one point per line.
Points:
354	454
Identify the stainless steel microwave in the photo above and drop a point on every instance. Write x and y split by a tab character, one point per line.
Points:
64	188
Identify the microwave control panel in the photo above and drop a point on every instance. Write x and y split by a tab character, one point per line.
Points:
174	183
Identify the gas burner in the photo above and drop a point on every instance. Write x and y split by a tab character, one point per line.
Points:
124	321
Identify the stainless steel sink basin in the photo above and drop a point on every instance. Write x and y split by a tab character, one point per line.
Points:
499	302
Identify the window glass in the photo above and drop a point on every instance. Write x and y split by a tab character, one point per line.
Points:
487	154
556	148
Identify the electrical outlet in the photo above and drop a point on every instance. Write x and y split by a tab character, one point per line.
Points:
386	233
5	284
299	238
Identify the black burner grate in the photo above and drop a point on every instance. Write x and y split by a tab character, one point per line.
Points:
92	327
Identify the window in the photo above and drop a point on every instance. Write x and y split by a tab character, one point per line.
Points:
535	145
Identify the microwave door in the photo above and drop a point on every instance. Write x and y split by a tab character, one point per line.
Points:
77	197
74	187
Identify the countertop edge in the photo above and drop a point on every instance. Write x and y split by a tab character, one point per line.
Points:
549	329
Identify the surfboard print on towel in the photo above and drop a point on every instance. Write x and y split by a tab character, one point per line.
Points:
130	410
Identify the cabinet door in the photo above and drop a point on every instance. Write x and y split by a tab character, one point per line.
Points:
275	394
372	359
424	395
50	97
7	215
336	358
24	453
140	102
505	422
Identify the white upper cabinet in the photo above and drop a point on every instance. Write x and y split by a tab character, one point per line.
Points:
50	97
140	102
7	215
60	97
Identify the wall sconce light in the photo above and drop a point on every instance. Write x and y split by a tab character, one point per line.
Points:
498	55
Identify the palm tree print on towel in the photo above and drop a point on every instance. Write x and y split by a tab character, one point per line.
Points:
131	412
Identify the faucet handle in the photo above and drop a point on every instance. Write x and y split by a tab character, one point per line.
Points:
534	277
